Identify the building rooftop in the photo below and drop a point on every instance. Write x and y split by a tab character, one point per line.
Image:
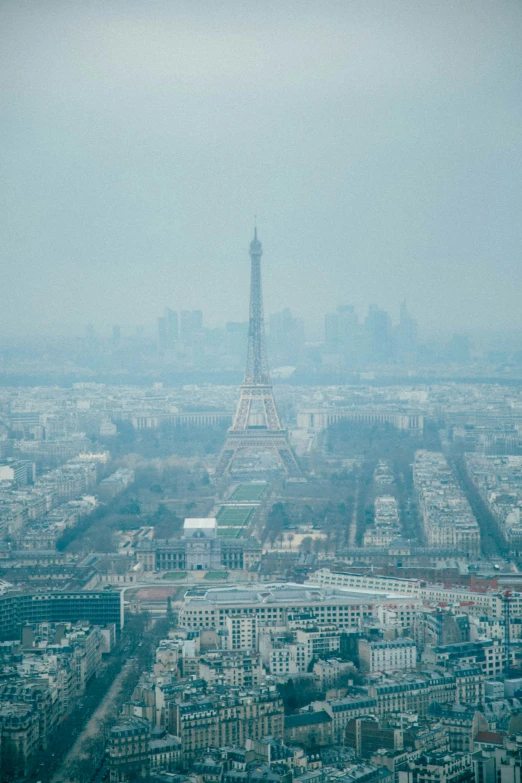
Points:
208	523
491	737
289	593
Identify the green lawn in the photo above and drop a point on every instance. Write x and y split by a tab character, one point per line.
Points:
248	492
229	532
174	575
216	575
234	516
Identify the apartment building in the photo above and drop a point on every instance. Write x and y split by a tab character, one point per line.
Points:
462	724
412	693
231	718
387	656
129	752
241	632
439	768
490	655
235	667
469	682
342	711
19	738
282	661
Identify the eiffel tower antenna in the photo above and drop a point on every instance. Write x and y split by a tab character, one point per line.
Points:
256	424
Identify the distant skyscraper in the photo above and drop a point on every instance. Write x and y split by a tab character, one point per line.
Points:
341	331
191	326
286	337
168	329
348	332
406	333
171	318
236	337
331	330
162	332
378	335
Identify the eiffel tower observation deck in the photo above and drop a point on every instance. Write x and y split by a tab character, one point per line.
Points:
257	427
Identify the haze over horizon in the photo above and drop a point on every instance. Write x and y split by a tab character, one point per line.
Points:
379	145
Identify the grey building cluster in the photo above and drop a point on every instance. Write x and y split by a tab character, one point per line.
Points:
499	481
447	518
393	703
43	677
35	516
386	526
51	503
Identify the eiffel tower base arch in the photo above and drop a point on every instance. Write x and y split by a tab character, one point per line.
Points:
274	442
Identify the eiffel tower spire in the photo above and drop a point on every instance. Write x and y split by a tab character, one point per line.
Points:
257	362
256	424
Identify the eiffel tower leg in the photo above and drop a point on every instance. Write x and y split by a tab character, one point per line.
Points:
288	460
271	417
243	411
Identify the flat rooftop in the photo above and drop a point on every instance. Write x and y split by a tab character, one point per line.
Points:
193	523
295	594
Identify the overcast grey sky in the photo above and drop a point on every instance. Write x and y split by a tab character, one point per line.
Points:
379	143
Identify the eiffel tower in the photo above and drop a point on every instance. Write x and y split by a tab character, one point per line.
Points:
256	424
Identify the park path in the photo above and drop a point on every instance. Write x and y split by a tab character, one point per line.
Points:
353	525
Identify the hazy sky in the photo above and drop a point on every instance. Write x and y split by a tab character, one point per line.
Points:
379	143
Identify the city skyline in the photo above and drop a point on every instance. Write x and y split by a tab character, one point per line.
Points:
261	477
